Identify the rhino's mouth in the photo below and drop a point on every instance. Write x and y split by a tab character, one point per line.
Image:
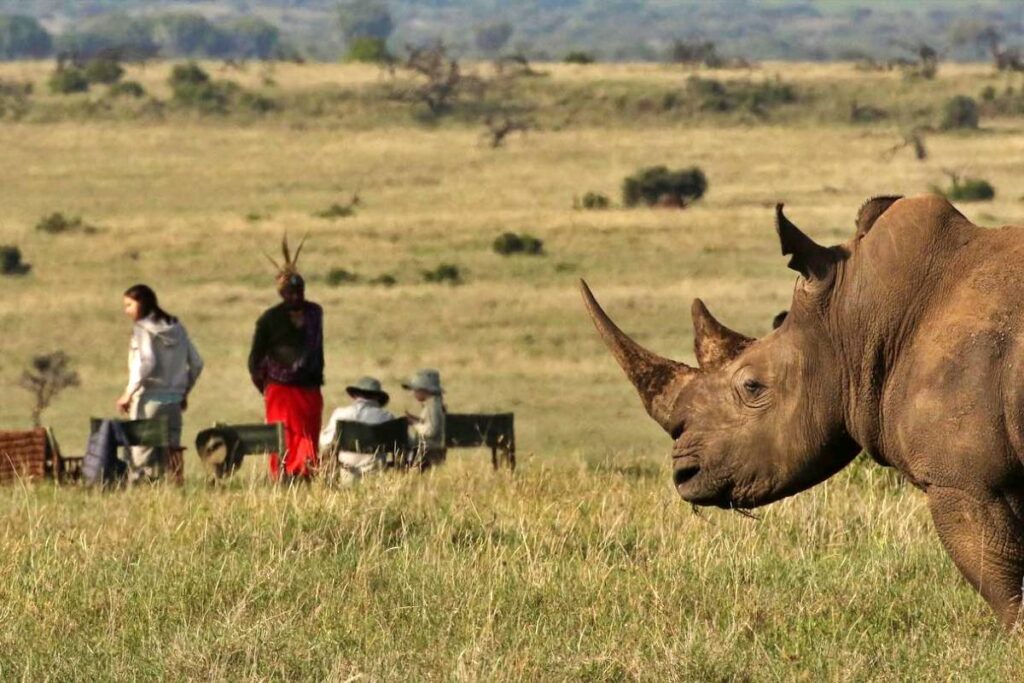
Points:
695	485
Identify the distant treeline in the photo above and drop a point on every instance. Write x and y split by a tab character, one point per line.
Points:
168	35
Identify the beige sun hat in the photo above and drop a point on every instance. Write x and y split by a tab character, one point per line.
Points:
369	387
426	379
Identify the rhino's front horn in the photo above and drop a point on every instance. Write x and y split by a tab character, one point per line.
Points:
714	343
658	380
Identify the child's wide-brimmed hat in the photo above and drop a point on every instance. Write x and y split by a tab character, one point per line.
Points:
425	380
368	387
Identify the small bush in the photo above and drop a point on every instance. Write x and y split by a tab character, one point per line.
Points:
384	280
68	80
658	186
261	104
57	223
336	211
10	261
193	88
339	276
747	96
127	89
186	74
579	57
968	190
444	273
368	49
594	201
103	70
510	243
960	112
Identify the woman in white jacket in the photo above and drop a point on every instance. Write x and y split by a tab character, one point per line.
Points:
163	366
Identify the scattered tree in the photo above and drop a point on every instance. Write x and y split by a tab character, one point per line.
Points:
695	53
914	140
23	37
254	38
491	38
442	82
500	126
48	376
365	19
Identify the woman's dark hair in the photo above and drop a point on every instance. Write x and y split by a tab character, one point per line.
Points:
148	305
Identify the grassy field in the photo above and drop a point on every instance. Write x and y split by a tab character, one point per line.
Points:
584	564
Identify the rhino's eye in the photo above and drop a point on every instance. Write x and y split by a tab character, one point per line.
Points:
753	387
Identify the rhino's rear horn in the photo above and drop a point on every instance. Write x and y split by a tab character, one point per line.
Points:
714	343
658	380
809	258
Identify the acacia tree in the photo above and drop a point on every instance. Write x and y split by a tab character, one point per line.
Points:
441	80
365	19
49	375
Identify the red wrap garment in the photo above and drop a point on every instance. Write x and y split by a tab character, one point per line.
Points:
300	410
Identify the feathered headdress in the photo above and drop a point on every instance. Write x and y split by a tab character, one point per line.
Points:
288	273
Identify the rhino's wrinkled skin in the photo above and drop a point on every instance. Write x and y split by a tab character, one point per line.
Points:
906	342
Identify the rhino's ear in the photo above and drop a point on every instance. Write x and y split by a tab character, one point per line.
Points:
809	258
871	210
714	343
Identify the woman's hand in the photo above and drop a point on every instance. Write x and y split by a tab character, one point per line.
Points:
123	403
184	403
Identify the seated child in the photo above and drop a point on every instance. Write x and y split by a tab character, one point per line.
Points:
426	432
368	401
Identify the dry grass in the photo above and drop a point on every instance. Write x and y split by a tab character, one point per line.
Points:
584	565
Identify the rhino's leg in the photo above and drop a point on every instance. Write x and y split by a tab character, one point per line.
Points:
986	541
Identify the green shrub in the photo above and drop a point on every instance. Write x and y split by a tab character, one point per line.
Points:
57	223
510	243
339	276
193	88
368	49
579	57
594	201
969	190
10	261
189	73
127	89
261	104
444	273
384	280
336	211
960	112
103	70
68	80
755	98
657	185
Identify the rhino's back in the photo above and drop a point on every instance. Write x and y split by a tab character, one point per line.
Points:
959	393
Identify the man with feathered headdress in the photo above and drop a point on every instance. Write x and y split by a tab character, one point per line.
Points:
286	364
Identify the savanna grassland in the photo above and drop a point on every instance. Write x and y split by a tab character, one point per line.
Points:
584	564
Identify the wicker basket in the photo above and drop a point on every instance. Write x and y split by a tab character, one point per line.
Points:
26	455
